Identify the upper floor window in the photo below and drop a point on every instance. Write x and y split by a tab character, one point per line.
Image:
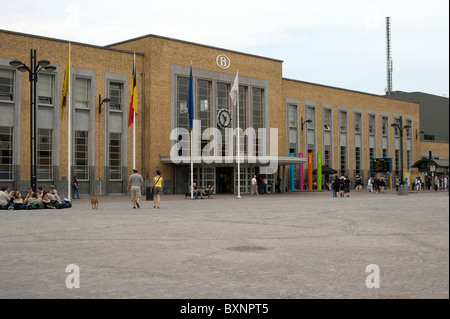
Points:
258	108
372	124
115	94
6	85
396	130
182	111
408	130
358	123
343	121
45	89
310	115
327	119
82	90
292	109
384	126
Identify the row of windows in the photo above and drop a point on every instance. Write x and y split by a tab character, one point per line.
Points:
46	90
45	155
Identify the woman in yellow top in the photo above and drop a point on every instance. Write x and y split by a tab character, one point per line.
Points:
157	186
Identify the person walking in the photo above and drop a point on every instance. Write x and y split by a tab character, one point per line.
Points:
136	182
75	186
157	187
254	186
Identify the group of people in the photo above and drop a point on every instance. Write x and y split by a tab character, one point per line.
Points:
260	185
377	185
32	200
196	191
341	186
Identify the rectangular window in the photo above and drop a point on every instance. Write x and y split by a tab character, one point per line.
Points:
204	106
45	155
371	124
385	153
243	92
310	115
384	126
292	109
115	94
358	123
45	85
343	160
371	157
408	159
258	113
6	85
82	89
428	137
327	119
408	130
396	130
81	157
6	153
182	111
343	121
397	161
327	155
115	156
357	160
223	96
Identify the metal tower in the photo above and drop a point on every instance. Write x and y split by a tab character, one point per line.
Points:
388	56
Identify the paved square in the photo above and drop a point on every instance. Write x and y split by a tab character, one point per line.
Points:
296	245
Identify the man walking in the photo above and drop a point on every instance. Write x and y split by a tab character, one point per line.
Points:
136	182
254	186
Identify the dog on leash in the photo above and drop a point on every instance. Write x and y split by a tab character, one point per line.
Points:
94	202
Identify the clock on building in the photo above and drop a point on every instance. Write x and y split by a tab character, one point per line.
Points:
223	118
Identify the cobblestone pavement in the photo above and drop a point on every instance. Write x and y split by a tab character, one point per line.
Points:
277	246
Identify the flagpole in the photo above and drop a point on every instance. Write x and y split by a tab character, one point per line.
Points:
69	137
190	131
134	119
238	139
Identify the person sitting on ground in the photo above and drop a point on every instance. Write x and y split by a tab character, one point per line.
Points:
32	200
40	192
54	192
5	198
50	201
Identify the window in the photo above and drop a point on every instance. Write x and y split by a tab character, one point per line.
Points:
115	94
45	155
327	119
343	121
396	130
397	161
82	88
408	130
385	153
343	159
115	159
327	155
6	153
292	109
182	111
428	137
384	126
81	155
408	159
372	124
223	93
358	160
310	115
371	157
258	113
45	89
243	91
358	123
6	85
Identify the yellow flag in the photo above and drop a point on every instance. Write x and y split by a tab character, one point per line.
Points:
65	86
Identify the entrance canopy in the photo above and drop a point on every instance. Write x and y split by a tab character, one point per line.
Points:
424	164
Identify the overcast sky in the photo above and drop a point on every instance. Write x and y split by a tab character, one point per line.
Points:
336	43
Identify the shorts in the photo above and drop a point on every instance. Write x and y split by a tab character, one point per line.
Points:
135	192
157	190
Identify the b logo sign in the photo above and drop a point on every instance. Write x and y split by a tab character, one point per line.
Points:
223	61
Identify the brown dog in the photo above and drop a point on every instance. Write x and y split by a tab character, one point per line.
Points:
94	202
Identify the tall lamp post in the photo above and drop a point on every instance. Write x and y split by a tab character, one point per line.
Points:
33	70
400	128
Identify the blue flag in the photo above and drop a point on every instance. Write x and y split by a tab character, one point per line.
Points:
190	101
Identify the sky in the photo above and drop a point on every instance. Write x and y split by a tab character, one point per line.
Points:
335	43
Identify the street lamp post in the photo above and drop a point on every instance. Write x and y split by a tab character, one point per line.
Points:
400	128
33	70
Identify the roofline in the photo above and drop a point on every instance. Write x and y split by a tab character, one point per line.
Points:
348	90
193	43
72	42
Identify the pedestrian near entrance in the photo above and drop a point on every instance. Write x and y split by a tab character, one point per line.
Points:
74	188
254	186
157	186
136	182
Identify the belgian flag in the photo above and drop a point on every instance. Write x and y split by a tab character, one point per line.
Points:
133	99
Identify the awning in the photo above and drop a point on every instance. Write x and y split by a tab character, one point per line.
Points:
326	170
424	162
232	160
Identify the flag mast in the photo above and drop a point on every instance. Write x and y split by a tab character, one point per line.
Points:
134	116
190	106
69	136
